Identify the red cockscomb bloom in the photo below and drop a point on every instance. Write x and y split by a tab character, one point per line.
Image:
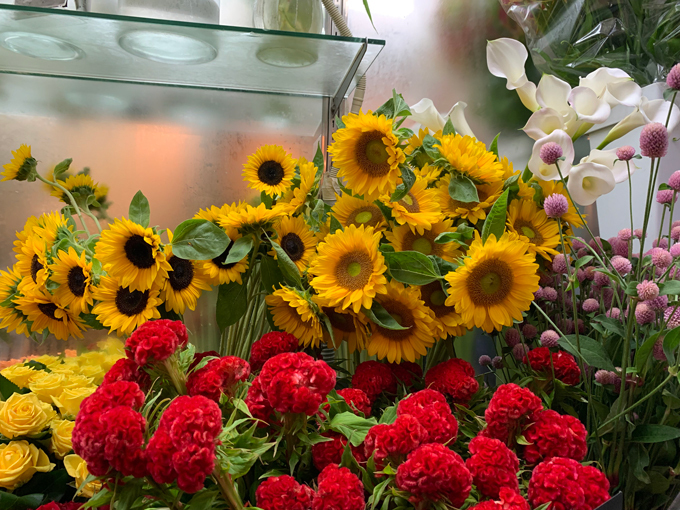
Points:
192	420
493	466
218	376
124	439
118	393
154	341
509	500
373	378
339	488
432	411
406	372
283	493
199	356
65	506
269	346
394	441
179	328
433	472
555	435
328	452
511	409
595	486
294	382
357	400
257	403
127	370
455	378
566	368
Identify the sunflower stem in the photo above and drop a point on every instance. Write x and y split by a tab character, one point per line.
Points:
71	199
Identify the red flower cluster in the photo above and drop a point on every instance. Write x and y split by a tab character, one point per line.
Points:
566	368
294	382
406	372
511	408
283	493
455	378
330	452
339	488
555	435
199	356
109	432
493	466
257	403
218	376
433	472
509	500
156	341
373	378
127	370
269	346
357	400
394	441
183	447
432	411
66	506
568	485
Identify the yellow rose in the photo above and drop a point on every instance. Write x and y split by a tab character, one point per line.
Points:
48	361
96	372
70	399
113	346
19	461
47	386
77	381
24	415
20	374
60	444
77	468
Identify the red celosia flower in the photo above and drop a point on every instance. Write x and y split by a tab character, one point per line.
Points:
339	488
153	341
328	452
566	368
257	403
394	441
554	435
127	370
455	378
270	345
65	506
433	472
179	328
357	400
595	486
118	393
218	376
199	356
283	493
373	378
406	372
511	408
294	382
509	500
193	464
493	466
539	359
124	440
159	453
192	420
432	411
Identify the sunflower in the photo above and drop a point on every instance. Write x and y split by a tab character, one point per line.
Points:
32	261
347	326
416	140
367	154
21	166
292	312
185	282
248	219
349	210
45	311
133	254
81	184
74	274
470	157
213	213
122	309
496	283
428	173
471	211
419	209
270	170
52	226
402	238
297	241
296	197
10	316
405	307
101	192
348	272
534	227
25	233
447	321
553	187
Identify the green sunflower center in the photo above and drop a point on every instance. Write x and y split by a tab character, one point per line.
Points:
438	298
36	267
48	309
182	273
363	217
293	246
410	203
368	215
490	282
131	303
354	270
371	154
76	281
270	172
139	252
422	245
434	297
529	230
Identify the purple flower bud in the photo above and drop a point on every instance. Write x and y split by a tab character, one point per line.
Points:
550	153
555	205
654	140
485	360
625	153
549	338
673	78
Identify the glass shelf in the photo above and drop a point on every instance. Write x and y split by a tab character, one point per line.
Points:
102	47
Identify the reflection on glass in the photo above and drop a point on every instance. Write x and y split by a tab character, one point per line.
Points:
197	11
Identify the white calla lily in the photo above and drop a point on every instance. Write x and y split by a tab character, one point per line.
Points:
625	92
588	106
599	79
619	169
543	122
549	172
426	114
553	93
506	58
527	94
457	116
589	181
646	113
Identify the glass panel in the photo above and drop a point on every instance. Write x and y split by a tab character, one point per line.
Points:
87	45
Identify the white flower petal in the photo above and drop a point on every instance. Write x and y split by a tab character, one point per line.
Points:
553	93
527	94
426	114
457	116
506	58
633	120
588	106
543	122
657	111
608	158
589	181
598	80
549	172
625	92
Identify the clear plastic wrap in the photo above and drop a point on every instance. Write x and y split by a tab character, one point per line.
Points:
570	38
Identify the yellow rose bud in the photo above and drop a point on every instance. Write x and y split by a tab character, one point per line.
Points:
96	372
24	415
19	461
77	381
48	386
61	444
77	468
69	401
20	374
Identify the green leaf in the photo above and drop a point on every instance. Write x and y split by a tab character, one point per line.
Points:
389	415
448	128
642	354
368	11
231	303
288	268
494	146
140	212
639	460
408	178
592	351
335	225
198	239
318	158
129	493
428	146
649	433
239	249
669	287
495	220
51	486
352	426
511	181
103	497
10	501
8	388
381	317
61	168
92	321
462	189
450	237
610	325
411	267
670	344
203	499
270	273
583	261
36	365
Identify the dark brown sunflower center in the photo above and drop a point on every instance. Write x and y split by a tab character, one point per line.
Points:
219	260
48	309
131	303
76	281
182	273
340	321
36	267
371	154
490	282
354	270
527	229
139	252
410	203
404	317
368	215
293	246
434	298
270	172
423	243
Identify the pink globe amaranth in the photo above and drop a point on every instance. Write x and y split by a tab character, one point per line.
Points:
644	314
606	377
559	264
661	258
621	265
550	294
625	235
601	279
497	362
657	351
675	234
550	153
647	290
519	351
512	337
529	331
660	244
550	338
672	317
590	305
485	360
654	140
675	251
659	303
673	78
625	153
614	313
666	196
556	205
674	181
